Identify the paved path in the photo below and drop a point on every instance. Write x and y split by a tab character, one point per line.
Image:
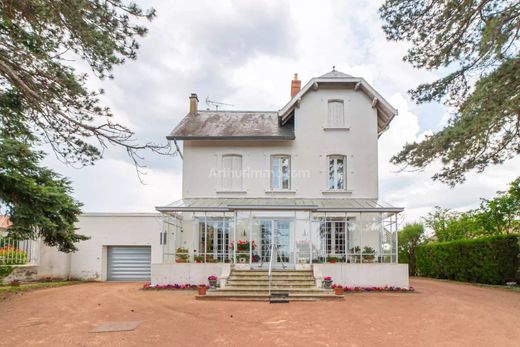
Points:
439	313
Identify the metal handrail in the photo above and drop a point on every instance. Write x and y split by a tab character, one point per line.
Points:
270	272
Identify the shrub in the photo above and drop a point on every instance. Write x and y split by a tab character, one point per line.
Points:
492	260
410	237
5	270
10	255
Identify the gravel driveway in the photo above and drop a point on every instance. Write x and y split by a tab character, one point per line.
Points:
439	313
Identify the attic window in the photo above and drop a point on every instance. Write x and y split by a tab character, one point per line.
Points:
336	114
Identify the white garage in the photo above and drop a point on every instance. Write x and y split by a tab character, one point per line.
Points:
129	263
122	247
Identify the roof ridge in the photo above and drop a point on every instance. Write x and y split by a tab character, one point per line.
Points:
237	111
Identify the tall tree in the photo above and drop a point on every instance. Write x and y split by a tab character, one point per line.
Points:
38	38
37	200
501	215
478	44
45	100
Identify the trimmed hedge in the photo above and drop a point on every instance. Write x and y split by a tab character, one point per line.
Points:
492	260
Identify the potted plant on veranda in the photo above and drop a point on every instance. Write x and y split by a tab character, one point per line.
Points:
243	247
338	290
368	254
332	259
198	258
355	254
327	282
212	281
202	289
182	255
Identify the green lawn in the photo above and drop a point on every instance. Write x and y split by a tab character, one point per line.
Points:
6	288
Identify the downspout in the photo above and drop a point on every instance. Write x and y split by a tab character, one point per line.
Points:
178	149
69	265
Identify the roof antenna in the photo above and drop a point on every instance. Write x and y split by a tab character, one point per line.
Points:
215	103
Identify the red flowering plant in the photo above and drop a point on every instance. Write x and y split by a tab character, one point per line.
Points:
327	282
374	289
212	281
243	245
170	286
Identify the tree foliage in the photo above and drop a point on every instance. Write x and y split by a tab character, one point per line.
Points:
37	41
449	225
45	100
36	199
501	215
478	43
411	236
497	216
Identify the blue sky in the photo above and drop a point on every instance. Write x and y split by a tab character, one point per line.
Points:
245	53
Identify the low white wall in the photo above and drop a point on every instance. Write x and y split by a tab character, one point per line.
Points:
364	275
188	273
112	229
89	262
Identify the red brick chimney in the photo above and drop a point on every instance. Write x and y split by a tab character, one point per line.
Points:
296	84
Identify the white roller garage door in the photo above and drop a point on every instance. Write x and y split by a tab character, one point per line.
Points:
129	263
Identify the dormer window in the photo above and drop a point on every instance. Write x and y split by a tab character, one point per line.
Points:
336	170
336	114
232	172
280	172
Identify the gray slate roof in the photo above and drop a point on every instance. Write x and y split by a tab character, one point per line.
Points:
335	74
237	125
323	205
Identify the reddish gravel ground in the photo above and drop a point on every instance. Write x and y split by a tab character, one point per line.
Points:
439	313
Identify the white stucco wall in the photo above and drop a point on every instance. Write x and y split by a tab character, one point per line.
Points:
308	152
188	273
364	275
89	262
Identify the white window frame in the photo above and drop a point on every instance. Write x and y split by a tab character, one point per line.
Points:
236	179
335	157
342	122
280	172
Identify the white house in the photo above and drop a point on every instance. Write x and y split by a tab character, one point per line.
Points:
295	188
289	189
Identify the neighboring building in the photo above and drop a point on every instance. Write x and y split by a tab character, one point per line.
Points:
301	182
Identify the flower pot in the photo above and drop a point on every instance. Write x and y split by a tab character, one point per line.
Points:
212	283
339	290
198	261
333	261
202	290
327	284
180	260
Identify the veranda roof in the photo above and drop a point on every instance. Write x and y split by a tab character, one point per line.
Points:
319	205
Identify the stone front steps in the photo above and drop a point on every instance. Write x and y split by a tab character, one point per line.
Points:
286	285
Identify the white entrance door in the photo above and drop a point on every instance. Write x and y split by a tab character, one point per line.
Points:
276	232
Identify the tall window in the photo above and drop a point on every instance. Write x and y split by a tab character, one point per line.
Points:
280	172
336	172
232	172
214	239
333	237
336	116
